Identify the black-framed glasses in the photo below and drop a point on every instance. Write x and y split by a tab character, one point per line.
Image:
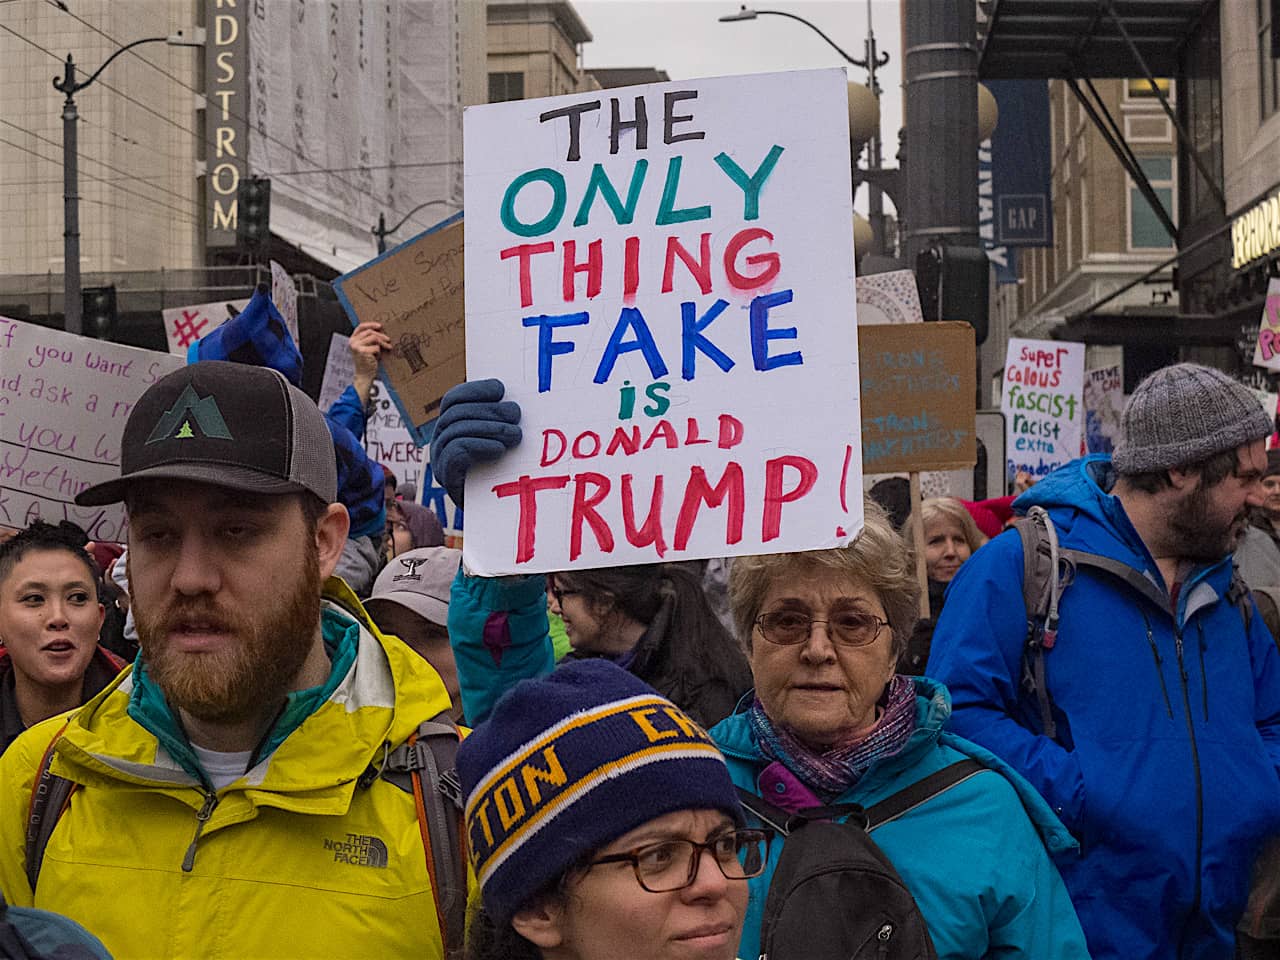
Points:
560	592
673	864
850	628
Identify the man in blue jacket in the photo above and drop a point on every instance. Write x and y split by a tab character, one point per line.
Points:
1165	692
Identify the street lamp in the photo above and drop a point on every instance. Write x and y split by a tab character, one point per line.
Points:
67	84
871	62
381	231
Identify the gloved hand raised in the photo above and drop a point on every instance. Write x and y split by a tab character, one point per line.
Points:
476	425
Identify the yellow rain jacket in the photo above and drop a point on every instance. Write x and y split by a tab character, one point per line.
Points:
297	858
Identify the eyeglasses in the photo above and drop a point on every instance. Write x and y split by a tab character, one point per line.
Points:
849	628
559	592
673	864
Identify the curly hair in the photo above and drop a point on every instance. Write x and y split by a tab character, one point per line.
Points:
46	536
879	558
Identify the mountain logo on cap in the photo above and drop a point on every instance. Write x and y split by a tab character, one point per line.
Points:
176	422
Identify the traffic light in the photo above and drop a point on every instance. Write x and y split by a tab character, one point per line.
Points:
98	310
955	284
253	212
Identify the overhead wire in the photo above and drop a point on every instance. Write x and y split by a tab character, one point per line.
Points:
297	153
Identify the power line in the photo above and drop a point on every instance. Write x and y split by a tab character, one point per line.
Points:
297	153
140	196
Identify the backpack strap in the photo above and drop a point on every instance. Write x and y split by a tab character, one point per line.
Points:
50	795
1043	581
426	766
786	822
908	798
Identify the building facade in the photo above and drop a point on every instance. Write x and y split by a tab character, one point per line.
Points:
535	49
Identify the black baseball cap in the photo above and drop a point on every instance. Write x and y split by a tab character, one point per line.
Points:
229	424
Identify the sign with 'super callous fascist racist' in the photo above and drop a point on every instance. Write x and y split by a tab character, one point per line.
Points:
663	278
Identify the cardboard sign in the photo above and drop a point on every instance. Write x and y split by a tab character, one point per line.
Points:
889	298
63	404
1103	404
183	326
662	277
284	294
1043	404
415	292
919	384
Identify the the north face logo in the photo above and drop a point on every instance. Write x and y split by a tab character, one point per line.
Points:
358	850
411	564
189	407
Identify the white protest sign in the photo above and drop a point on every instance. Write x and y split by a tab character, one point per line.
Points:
890	297
339	371
1042	404
284	294
663	278
183	326
1103	404
63	404
1266	353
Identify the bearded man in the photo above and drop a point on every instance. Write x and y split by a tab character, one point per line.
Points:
227	795
1163	683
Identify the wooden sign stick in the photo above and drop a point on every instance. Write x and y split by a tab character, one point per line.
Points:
921	570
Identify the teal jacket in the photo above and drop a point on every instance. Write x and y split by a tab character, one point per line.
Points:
976	858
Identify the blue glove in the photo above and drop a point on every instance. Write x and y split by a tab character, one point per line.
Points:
474	427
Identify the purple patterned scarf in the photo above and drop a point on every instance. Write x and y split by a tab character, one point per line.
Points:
831	773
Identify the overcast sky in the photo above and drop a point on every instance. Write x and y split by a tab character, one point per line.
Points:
685	38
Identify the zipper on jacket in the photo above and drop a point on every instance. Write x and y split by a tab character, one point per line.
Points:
1195	762
884	935
1155	653
202	817
1204	680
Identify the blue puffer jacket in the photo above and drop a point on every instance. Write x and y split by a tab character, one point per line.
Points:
1165	766
976	858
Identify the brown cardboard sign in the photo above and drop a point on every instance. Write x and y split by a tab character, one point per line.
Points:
918	397
415	292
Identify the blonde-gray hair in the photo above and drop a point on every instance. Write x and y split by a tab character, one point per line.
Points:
879	558
933	509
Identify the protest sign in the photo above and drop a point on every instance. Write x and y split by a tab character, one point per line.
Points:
1042	404
183	326
1103	404
63	404
662	277
889	298
284	294
415	292
919	388
1267	351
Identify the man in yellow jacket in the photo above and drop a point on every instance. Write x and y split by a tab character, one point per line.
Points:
228	798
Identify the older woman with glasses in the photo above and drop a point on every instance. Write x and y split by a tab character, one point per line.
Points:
832	722
602	824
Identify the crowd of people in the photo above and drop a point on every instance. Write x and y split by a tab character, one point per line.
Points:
334	740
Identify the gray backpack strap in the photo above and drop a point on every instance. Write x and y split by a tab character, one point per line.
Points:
426	766
1045	574
49	797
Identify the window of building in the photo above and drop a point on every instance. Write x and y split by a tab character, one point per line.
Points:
1146	232
1136	88
506	86
1268	74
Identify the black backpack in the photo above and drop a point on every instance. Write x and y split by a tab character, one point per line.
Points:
834	894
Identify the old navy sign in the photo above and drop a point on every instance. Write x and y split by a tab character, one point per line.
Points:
226	107
1020	164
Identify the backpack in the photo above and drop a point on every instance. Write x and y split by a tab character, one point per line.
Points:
424	766
30	934
1047	571
834	895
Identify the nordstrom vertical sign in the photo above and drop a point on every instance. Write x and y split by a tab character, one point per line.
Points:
226	107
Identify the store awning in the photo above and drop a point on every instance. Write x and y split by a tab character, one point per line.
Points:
1033	39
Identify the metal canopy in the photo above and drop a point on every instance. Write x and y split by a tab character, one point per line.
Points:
1056	39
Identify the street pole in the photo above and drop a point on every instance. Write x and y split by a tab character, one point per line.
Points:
875	197
71	307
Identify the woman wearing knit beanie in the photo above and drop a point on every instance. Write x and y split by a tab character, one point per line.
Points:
602	824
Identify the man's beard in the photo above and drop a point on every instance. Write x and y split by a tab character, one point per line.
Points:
234	682
1195	535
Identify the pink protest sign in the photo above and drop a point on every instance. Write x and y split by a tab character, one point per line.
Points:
183	326
1267	352
663	278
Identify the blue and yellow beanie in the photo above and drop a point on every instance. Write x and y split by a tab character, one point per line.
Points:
568	763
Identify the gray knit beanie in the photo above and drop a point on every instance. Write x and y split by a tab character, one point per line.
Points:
1183	414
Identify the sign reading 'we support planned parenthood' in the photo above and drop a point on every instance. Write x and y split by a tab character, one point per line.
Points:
663	278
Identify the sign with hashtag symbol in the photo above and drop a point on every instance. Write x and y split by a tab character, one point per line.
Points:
183	326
